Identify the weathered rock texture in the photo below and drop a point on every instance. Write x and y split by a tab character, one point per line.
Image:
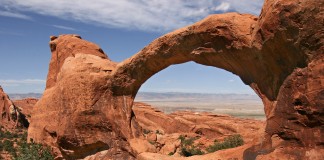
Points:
11	117
25	106
87	104
208	125
163	130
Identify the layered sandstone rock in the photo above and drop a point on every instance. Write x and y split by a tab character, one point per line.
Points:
87	104
11	117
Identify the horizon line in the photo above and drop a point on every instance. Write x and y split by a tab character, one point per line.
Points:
166	92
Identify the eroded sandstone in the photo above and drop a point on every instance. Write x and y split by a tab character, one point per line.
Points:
11	116
163	130
87	105
26	106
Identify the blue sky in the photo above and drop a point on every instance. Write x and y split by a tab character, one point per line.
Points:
121	28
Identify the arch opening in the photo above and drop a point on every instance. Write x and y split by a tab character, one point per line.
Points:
198	88
197	115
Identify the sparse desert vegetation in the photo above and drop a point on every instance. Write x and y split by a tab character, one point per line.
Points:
188	148
229	142
14	146
186	134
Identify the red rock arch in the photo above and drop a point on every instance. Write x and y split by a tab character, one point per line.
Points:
279	54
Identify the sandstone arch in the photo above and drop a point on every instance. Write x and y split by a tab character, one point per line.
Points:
279	54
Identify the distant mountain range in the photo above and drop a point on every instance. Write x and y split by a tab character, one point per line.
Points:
16	96
152	96
240	105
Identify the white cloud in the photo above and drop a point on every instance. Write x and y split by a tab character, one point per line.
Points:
14	83
64	27
14	15
246	6
224	6
231	80
150	15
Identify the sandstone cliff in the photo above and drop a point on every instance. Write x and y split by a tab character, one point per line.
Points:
87	105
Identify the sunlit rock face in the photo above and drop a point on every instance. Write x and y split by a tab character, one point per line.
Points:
11	116
87	105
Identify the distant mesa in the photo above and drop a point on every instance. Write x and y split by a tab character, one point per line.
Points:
86	109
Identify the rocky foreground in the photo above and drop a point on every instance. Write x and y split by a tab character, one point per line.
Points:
162	133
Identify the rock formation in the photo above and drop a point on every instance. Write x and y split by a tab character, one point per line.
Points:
209	125
11	117
25	106
164	129
162	132
87	105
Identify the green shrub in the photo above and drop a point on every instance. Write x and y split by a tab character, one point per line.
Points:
24	150
7	135
182	138
191	151
229	142
8	146
35	151
188	148
171	153
186	141
23	136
